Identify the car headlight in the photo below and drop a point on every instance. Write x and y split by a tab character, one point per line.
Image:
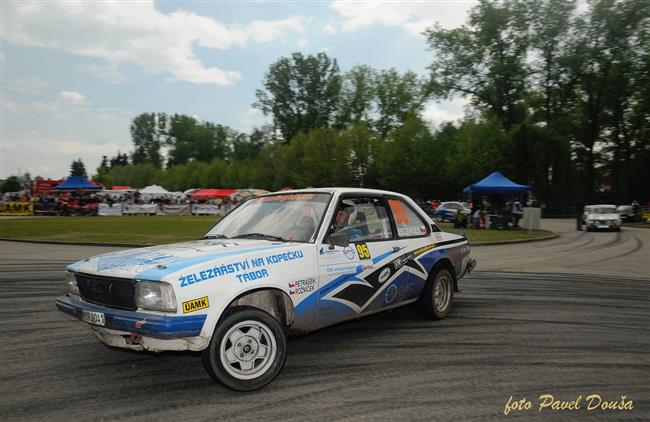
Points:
156	295
71	284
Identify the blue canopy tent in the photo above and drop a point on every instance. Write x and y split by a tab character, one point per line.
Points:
496	183
77	183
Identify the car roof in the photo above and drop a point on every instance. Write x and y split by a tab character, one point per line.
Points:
340	190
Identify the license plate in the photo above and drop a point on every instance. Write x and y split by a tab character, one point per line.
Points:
95	318
603	226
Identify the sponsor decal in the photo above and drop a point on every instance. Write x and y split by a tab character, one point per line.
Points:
438	235
348	252
399	211
195	304
411	230
329	252
363	251
300	287
423	249
247	270
284	198
384	275
357	295
401	261
348	268
391	294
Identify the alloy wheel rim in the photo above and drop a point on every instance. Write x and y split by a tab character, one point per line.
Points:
442	294
248	350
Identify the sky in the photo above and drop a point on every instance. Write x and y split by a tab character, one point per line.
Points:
74	74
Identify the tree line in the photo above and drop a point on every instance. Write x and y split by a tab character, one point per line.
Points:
558	98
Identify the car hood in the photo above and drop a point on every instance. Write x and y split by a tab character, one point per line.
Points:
133	263
602	216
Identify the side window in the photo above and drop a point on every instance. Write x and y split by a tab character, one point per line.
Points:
366	219
408	223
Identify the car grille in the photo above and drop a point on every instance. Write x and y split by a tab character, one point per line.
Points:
109	291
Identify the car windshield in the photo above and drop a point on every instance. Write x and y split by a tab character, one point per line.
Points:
601	210
286	217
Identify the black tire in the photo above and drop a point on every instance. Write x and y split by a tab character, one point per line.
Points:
247	349
428	305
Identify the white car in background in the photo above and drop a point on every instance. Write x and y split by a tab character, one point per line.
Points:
602	217
281	263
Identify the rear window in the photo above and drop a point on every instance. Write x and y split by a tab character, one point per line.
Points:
409	224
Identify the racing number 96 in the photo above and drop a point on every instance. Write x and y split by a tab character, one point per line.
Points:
362	250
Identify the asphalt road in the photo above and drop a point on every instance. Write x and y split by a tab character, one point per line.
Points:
568	317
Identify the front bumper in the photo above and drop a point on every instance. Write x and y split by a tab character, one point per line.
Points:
602	225
160	326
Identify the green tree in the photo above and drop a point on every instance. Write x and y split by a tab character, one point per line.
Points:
103	172
12	184
357	96
403	159
485	59
301	93
398	97
136	175
362	145
119	160
188	139
77	168
147	132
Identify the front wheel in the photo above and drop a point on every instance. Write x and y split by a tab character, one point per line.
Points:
247	351
438	295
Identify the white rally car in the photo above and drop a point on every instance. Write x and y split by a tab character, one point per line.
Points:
281	263
602	217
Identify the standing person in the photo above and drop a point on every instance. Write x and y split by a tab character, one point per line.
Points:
580	209
516	212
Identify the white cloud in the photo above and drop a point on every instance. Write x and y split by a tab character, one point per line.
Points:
109	73
53	155
136	33
413	17
251	118
302	43
265	31
73	97
448	111
27	85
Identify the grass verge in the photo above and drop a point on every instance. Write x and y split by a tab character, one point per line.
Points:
170	229
125	229
483	235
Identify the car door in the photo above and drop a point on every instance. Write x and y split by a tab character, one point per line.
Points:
415	258
352	279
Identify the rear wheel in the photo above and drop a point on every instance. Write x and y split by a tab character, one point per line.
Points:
247	350
438	295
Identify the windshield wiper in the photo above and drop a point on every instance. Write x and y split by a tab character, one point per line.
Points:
215	236
261	236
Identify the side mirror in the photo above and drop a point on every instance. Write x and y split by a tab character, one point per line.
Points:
341	238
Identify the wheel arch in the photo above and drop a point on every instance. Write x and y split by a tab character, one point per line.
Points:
269	299
445	263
